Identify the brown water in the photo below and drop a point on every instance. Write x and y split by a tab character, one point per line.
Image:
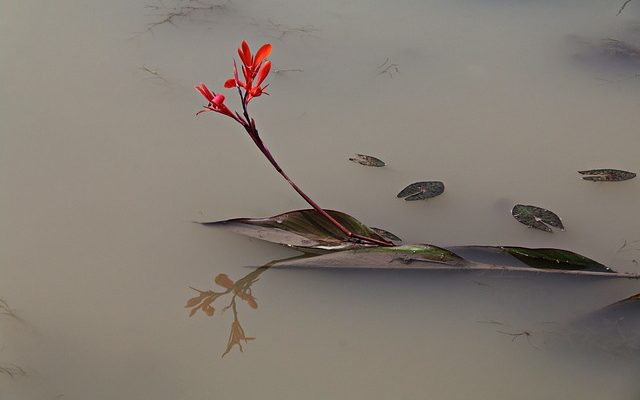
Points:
104	166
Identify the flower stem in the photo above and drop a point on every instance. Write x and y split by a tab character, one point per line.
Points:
253	133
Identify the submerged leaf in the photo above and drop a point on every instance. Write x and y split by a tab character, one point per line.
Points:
422	190
369	161
536	217
607	175
303	229
612	329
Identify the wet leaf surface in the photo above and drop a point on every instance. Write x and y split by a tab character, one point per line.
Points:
536	217
422	190
369	161
406	256
607	175
386	234
303	229
555	259
463	258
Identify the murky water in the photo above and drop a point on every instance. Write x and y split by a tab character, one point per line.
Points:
104	166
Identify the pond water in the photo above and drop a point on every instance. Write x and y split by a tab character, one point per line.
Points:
105	166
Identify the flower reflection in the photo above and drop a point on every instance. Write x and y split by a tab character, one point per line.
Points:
240	289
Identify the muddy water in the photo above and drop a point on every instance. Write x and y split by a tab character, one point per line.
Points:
104	166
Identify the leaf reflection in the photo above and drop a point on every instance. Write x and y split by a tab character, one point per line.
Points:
240	289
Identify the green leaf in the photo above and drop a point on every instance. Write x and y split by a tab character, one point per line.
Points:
464	258
536	217
422	190
303	229
607	175
404	257
555	259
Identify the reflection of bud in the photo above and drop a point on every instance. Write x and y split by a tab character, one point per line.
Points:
252	302
195	300
224	281
208	310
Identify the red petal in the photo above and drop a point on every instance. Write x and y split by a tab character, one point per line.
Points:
230	83
202	88
235	70
264	71
263	53
247	53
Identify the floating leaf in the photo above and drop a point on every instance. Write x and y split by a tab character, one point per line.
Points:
386	234
536	217
607	175
304	229
369	161
464	258
555	259
422	190
415	256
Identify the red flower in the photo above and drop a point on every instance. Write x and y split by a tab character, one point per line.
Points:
254	68
216	102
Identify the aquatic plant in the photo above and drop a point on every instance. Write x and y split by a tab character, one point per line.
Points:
255	69
329	238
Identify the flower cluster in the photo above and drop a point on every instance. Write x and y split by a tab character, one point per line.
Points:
255	69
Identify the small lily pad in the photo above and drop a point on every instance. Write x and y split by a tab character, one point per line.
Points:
607	175
536	217
422	190
369	161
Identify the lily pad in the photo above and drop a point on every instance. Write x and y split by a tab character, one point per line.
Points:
422	190
536	217
607	175
303	229
369	161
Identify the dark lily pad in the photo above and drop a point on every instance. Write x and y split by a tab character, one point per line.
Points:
422	190
536	217
304	229
386	234
607	175
369	161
